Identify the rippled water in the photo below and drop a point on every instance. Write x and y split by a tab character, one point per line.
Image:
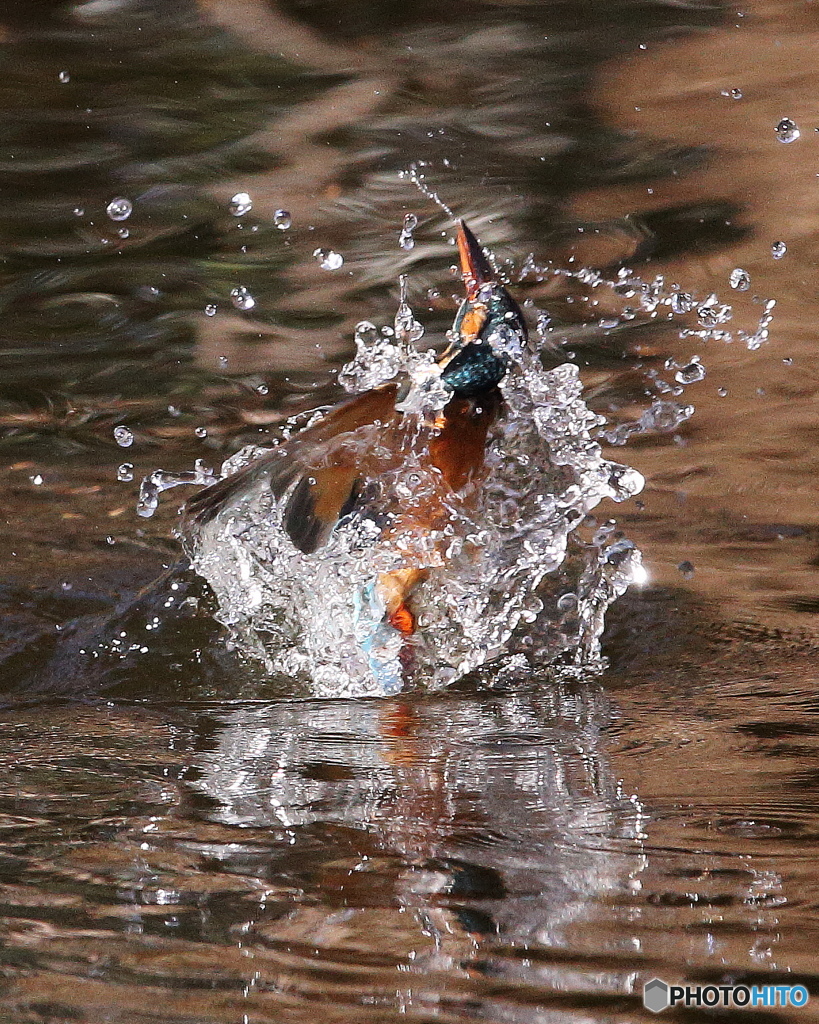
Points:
184	838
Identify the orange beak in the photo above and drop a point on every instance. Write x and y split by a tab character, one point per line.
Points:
475	267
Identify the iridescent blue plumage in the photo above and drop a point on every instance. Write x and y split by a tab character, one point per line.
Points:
474	370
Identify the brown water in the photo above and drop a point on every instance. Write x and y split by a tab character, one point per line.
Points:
182	841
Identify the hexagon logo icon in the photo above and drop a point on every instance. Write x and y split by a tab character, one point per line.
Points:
655	995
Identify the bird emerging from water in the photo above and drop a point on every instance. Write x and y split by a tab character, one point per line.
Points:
332	469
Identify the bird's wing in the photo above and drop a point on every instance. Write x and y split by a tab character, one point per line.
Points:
317	467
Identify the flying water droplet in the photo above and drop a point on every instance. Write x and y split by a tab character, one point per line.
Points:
64	77
240	204
761	334
778	250
712	312
624	481
282	219
687	570
327	259
407	328
37	480
366	332
405	239
210	309
125	472
241	298
123	437
120	208
544	322
123	232
691	373
740	279
201	432
681	302
161	480
662	416
79	211
787	131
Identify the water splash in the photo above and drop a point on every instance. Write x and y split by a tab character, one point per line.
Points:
499	559
712	314
417	176
760	335
407	328
662	417
162	480
691	373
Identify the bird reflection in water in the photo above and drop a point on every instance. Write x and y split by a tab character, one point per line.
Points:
448	828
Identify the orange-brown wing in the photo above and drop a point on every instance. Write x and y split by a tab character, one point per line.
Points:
324	488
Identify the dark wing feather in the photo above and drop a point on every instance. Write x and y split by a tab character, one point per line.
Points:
208	503
322	494
316	504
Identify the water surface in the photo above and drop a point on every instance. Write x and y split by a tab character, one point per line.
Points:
183	840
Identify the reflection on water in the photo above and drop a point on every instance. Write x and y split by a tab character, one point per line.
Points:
461	857
510	851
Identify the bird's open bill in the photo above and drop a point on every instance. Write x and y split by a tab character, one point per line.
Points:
475	267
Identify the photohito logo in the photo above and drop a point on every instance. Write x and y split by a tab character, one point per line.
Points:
659	995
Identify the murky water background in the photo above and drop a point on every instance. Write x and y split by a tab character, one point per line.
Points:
182	840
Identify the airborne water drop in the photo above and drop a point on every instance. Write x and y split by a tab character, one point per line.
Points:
787	131
327	259
120	208
240	204
241	299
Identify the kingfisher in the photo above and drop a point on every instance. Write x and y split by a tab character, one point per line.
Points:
336	468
